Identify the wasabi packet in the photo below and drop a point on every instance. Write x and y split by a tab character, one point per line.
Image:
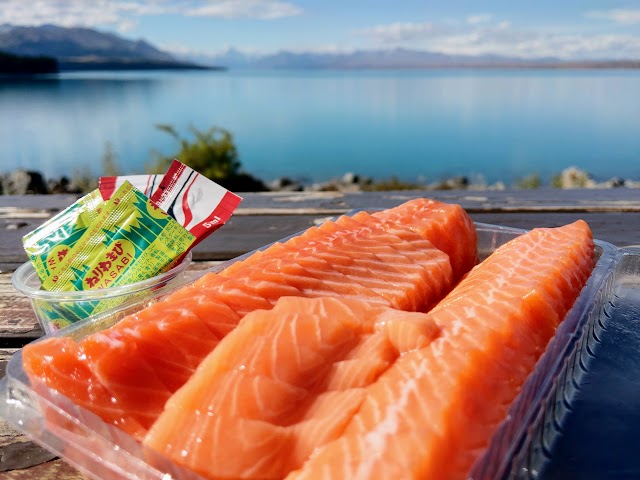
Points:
200	205
130	240
147	184
48	245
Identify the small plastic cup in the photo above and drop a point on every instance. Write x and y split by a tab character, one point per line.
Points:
55	310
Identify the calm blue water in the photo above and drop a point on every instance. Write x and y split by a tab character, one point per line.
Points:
316	125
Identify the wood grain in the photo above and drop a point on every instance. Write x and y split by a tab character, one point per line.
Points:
50	470
617	228
17	320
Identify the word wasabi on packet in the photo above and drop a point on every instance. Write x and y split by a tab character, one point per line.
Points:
130	240
48	245
199	204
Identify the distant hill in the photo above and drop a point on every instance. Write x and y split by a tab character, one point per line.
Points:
85	48
399	58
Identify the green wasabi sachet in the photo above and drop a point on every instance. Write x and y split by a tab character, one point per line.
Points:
49	244
130	240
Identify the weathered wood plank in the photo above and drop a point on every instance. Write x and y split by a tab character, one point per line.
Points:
621	199
11	233
17	320
620	229
17	452
5	355
53	203
626	198
50	470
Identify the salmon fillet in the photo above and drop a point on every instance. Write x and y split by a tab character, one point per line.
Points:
283	383
432	413
439	223
445	226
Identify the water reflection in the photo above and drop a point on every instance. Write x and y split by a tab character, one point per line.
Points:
501	124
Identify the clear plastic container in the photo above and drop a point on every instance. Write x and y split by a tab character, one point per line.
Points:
104	452
57	309
587	424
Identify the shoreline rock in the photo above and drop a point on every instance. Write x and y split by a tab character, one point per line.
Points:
26	182
573	177
32	182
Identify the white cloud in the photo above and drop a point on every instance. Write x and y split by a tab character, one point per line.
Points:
398	32
501	38
558	46
63	13
260	9
479	18
127	25
617	15
123	14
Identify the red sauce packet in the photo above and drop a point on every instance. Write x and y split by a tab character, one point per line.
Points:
198	204
147	184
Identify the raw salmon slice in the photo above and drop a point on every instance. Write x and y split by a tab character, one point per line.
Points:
71	374
279	386
315	279
445	225
406	270
333	275
433	412
407	273
346	266
130	369
401	284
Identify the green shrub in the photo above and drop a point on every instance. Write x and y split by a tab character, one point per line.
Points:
529	182
211	153
394	183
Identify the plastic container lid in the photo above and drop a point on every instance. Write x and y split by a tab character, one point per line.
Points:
49	306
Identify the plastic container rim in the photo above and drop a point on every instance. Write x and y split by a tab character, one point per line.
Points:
25	272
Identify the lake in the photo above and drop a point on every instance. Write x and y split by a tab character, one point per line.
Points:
315	125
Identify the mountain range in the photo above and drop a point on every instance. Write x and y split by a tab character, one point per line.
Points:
399	58
85	48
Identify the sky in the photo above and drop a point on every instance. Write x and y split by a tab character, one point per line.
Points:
568	29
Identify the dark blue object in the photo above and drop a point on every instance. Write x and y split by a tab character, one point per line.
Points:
597	438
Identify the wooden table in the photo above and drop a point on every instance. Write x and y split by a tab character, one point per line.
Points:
262	218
